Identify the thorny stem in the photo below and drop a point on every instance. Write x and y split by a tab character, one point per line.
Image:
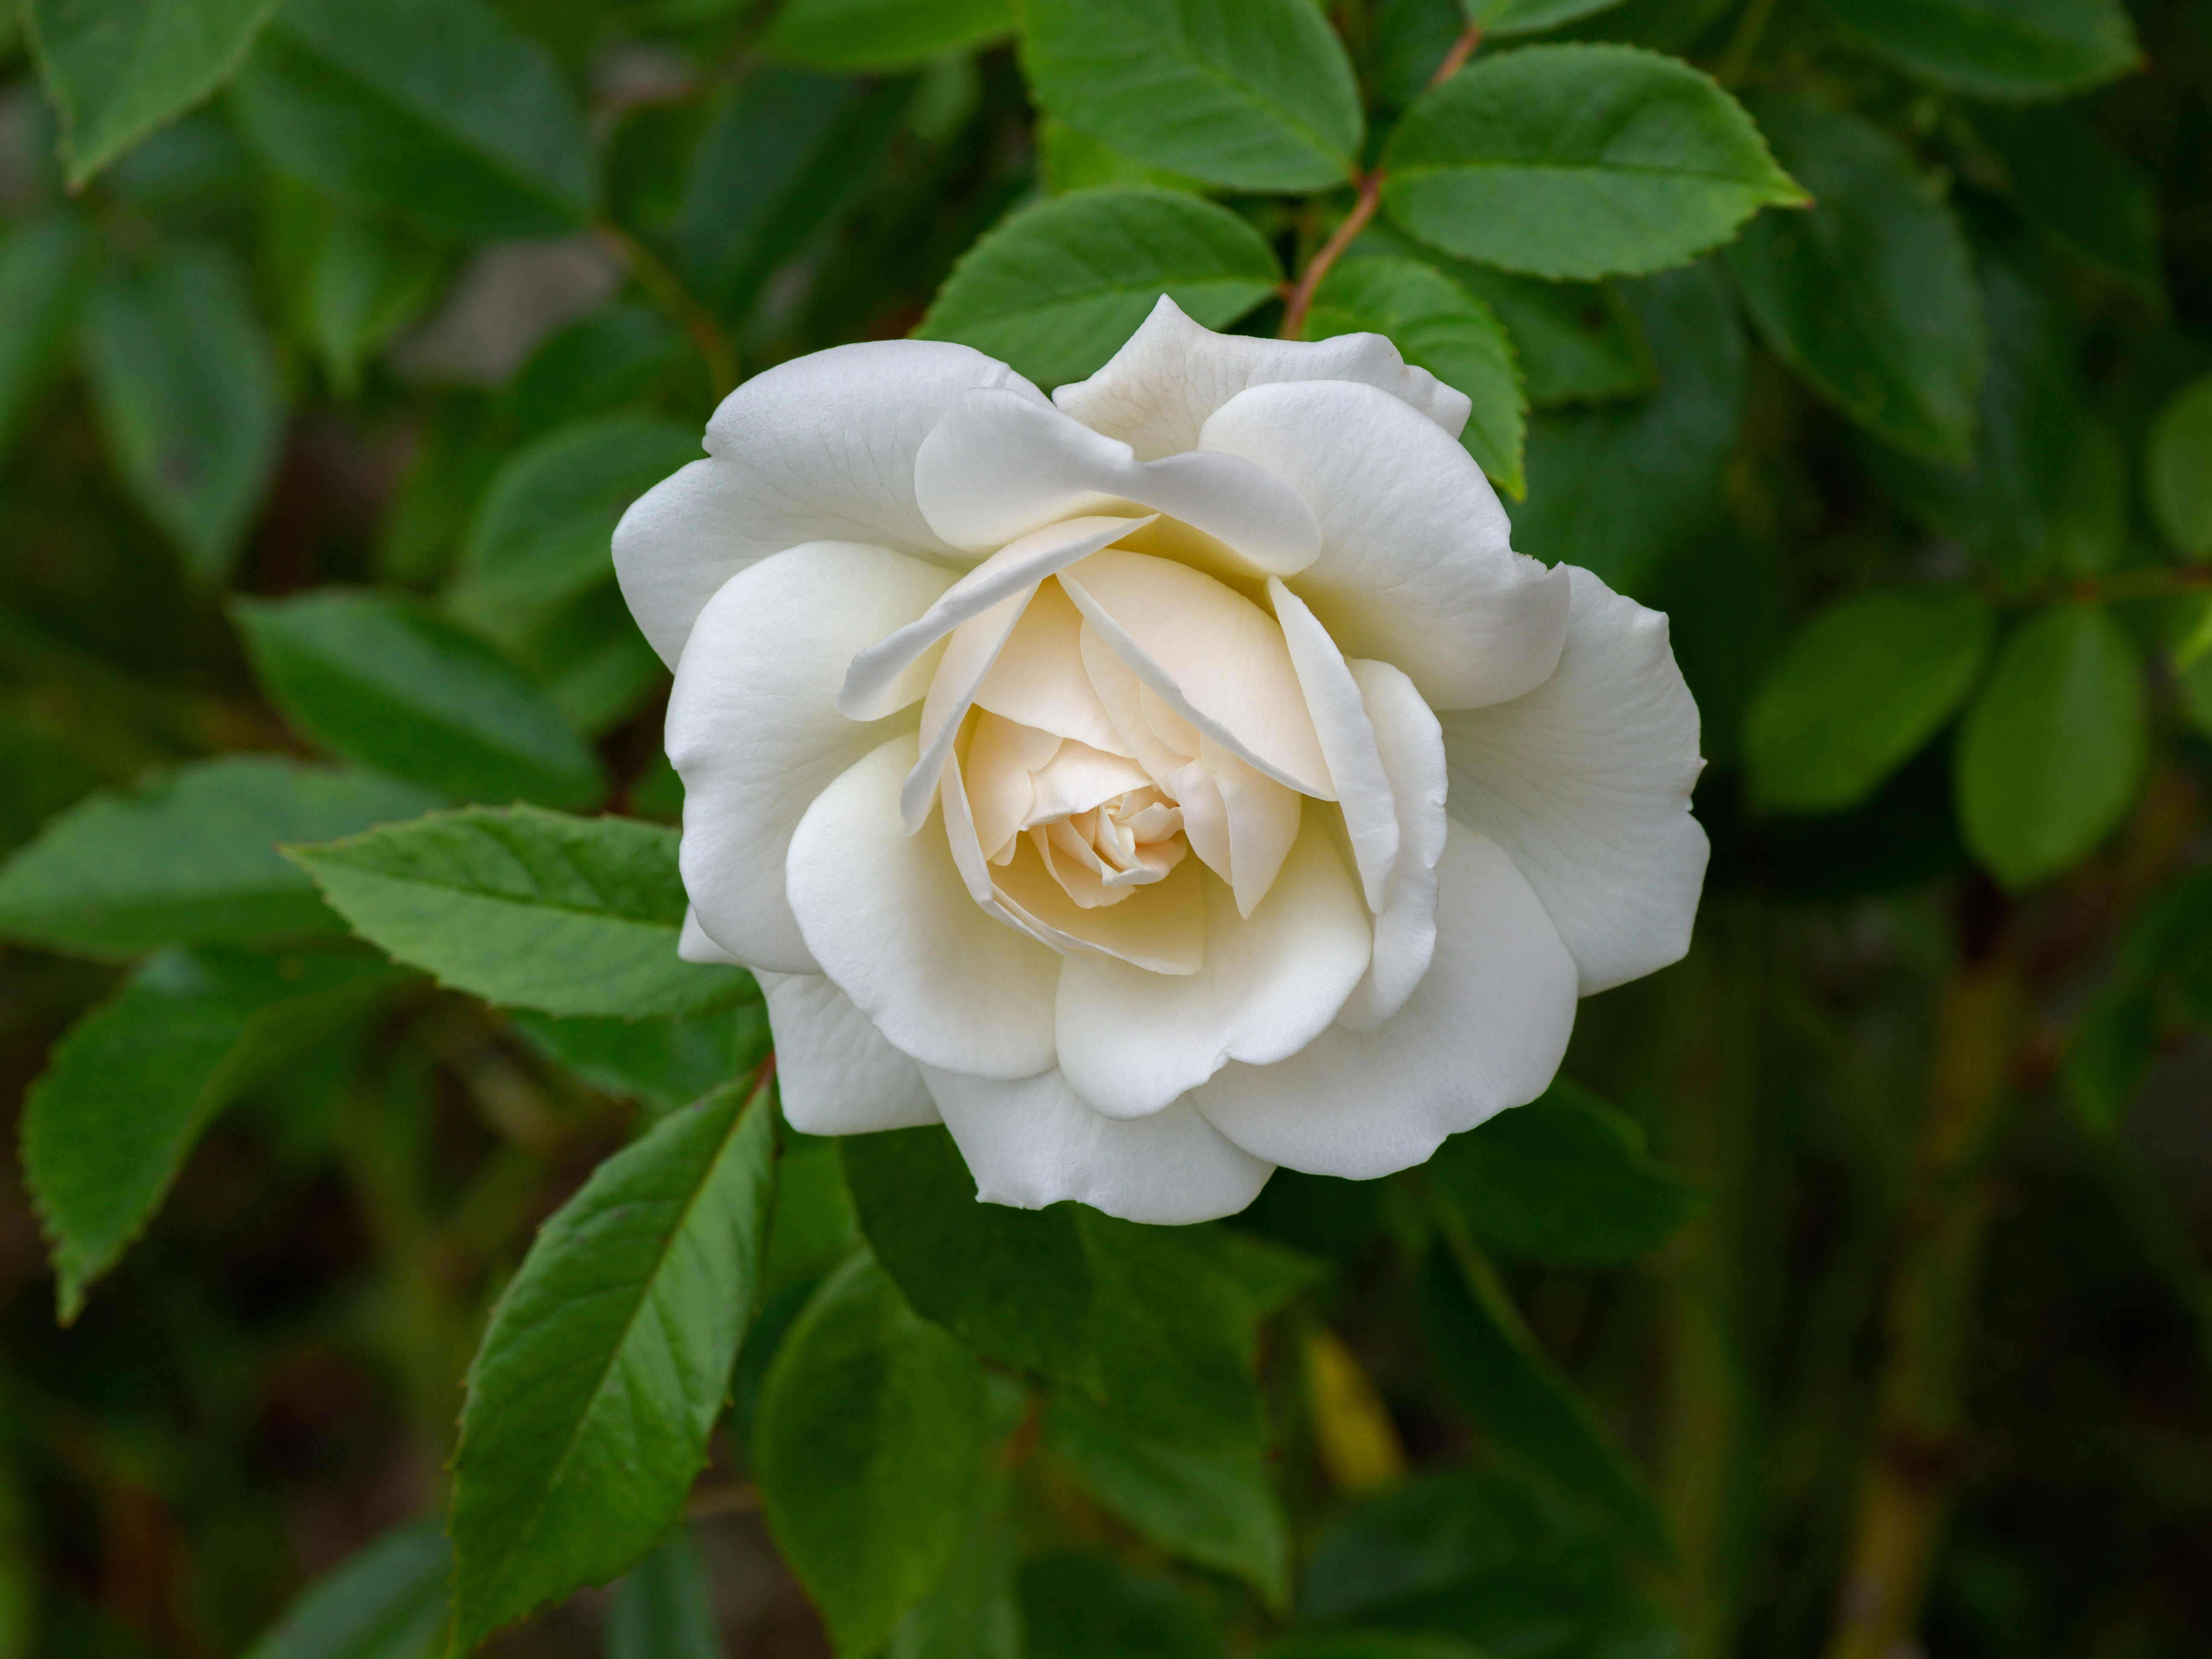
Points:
1921	1407
667	290
1301	299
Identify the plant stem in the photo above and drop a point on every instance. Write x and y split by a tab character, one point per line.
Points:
1456	59
1929	1308
1301	299
667	290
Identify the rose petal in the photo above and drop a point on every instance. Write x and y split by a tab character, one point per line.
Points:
1018	567
1261	820
1486	1030
1347	742
821	448
999	466
1034	1143
1208	653
835	1075
754	731
1039	677
1412	745
1415	567
969	655
693	943
1131	1041
1586	781
890	919
1156	393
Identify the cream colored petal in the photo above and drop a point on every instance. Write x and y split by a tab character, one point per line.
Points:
1347	742
821	448
1034	1143
1123	696
835	1073
1263	819
1131	1043
1039	677
969	653
891	921
1415	568
1158	389
1412	745
876	672
1586	782
1485	1030
1208	653
754	731
999	466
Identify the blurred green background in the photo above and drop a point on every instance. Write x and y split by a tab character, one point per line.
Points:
330	352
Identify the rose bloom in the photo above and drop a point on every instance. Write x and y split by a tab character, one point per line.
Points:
1158	782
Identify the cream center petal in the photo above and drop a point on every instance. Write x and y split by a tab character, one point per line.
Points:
1088	744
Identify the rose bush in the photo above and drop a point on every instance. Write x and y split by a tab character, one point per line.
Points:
1159	782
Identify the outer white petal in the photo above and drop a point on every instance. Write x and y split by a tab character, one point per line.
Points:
835	1075
754	731
1412	745
999	466
890	919
1415	567
693	944
820	449
1586	781
1486	1030
1016	568
1347	742
1131	1043
1034	1143
1171	374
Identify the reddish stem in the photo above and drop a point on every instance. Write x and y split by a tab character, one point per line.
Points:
1301	299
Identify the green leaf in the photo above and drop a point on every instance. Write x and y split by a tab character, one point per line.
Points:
1857	692
529	909
2008	505
38	292
2178	469
1576	342
1564	1178
116	70
2091	528
1618	489
134	1082
664	1609
1870	295
1014	1283
1440	327
781	157
1257	95
608	358
2010	49
1057	287
662	1063
1366	1645
190	857
868	1447
1094	1606
387	1601
383	682
1217	1509
880	35
2114	1041
1579	161
587	657
1526	1407
2052	750
541	534
607	1362
972	1612
186	385
354	281
1502	19
1177	1332
438	109
1071	161
2078	190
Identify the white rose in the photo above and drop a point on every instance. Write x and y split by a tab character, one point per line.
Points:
1160	782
